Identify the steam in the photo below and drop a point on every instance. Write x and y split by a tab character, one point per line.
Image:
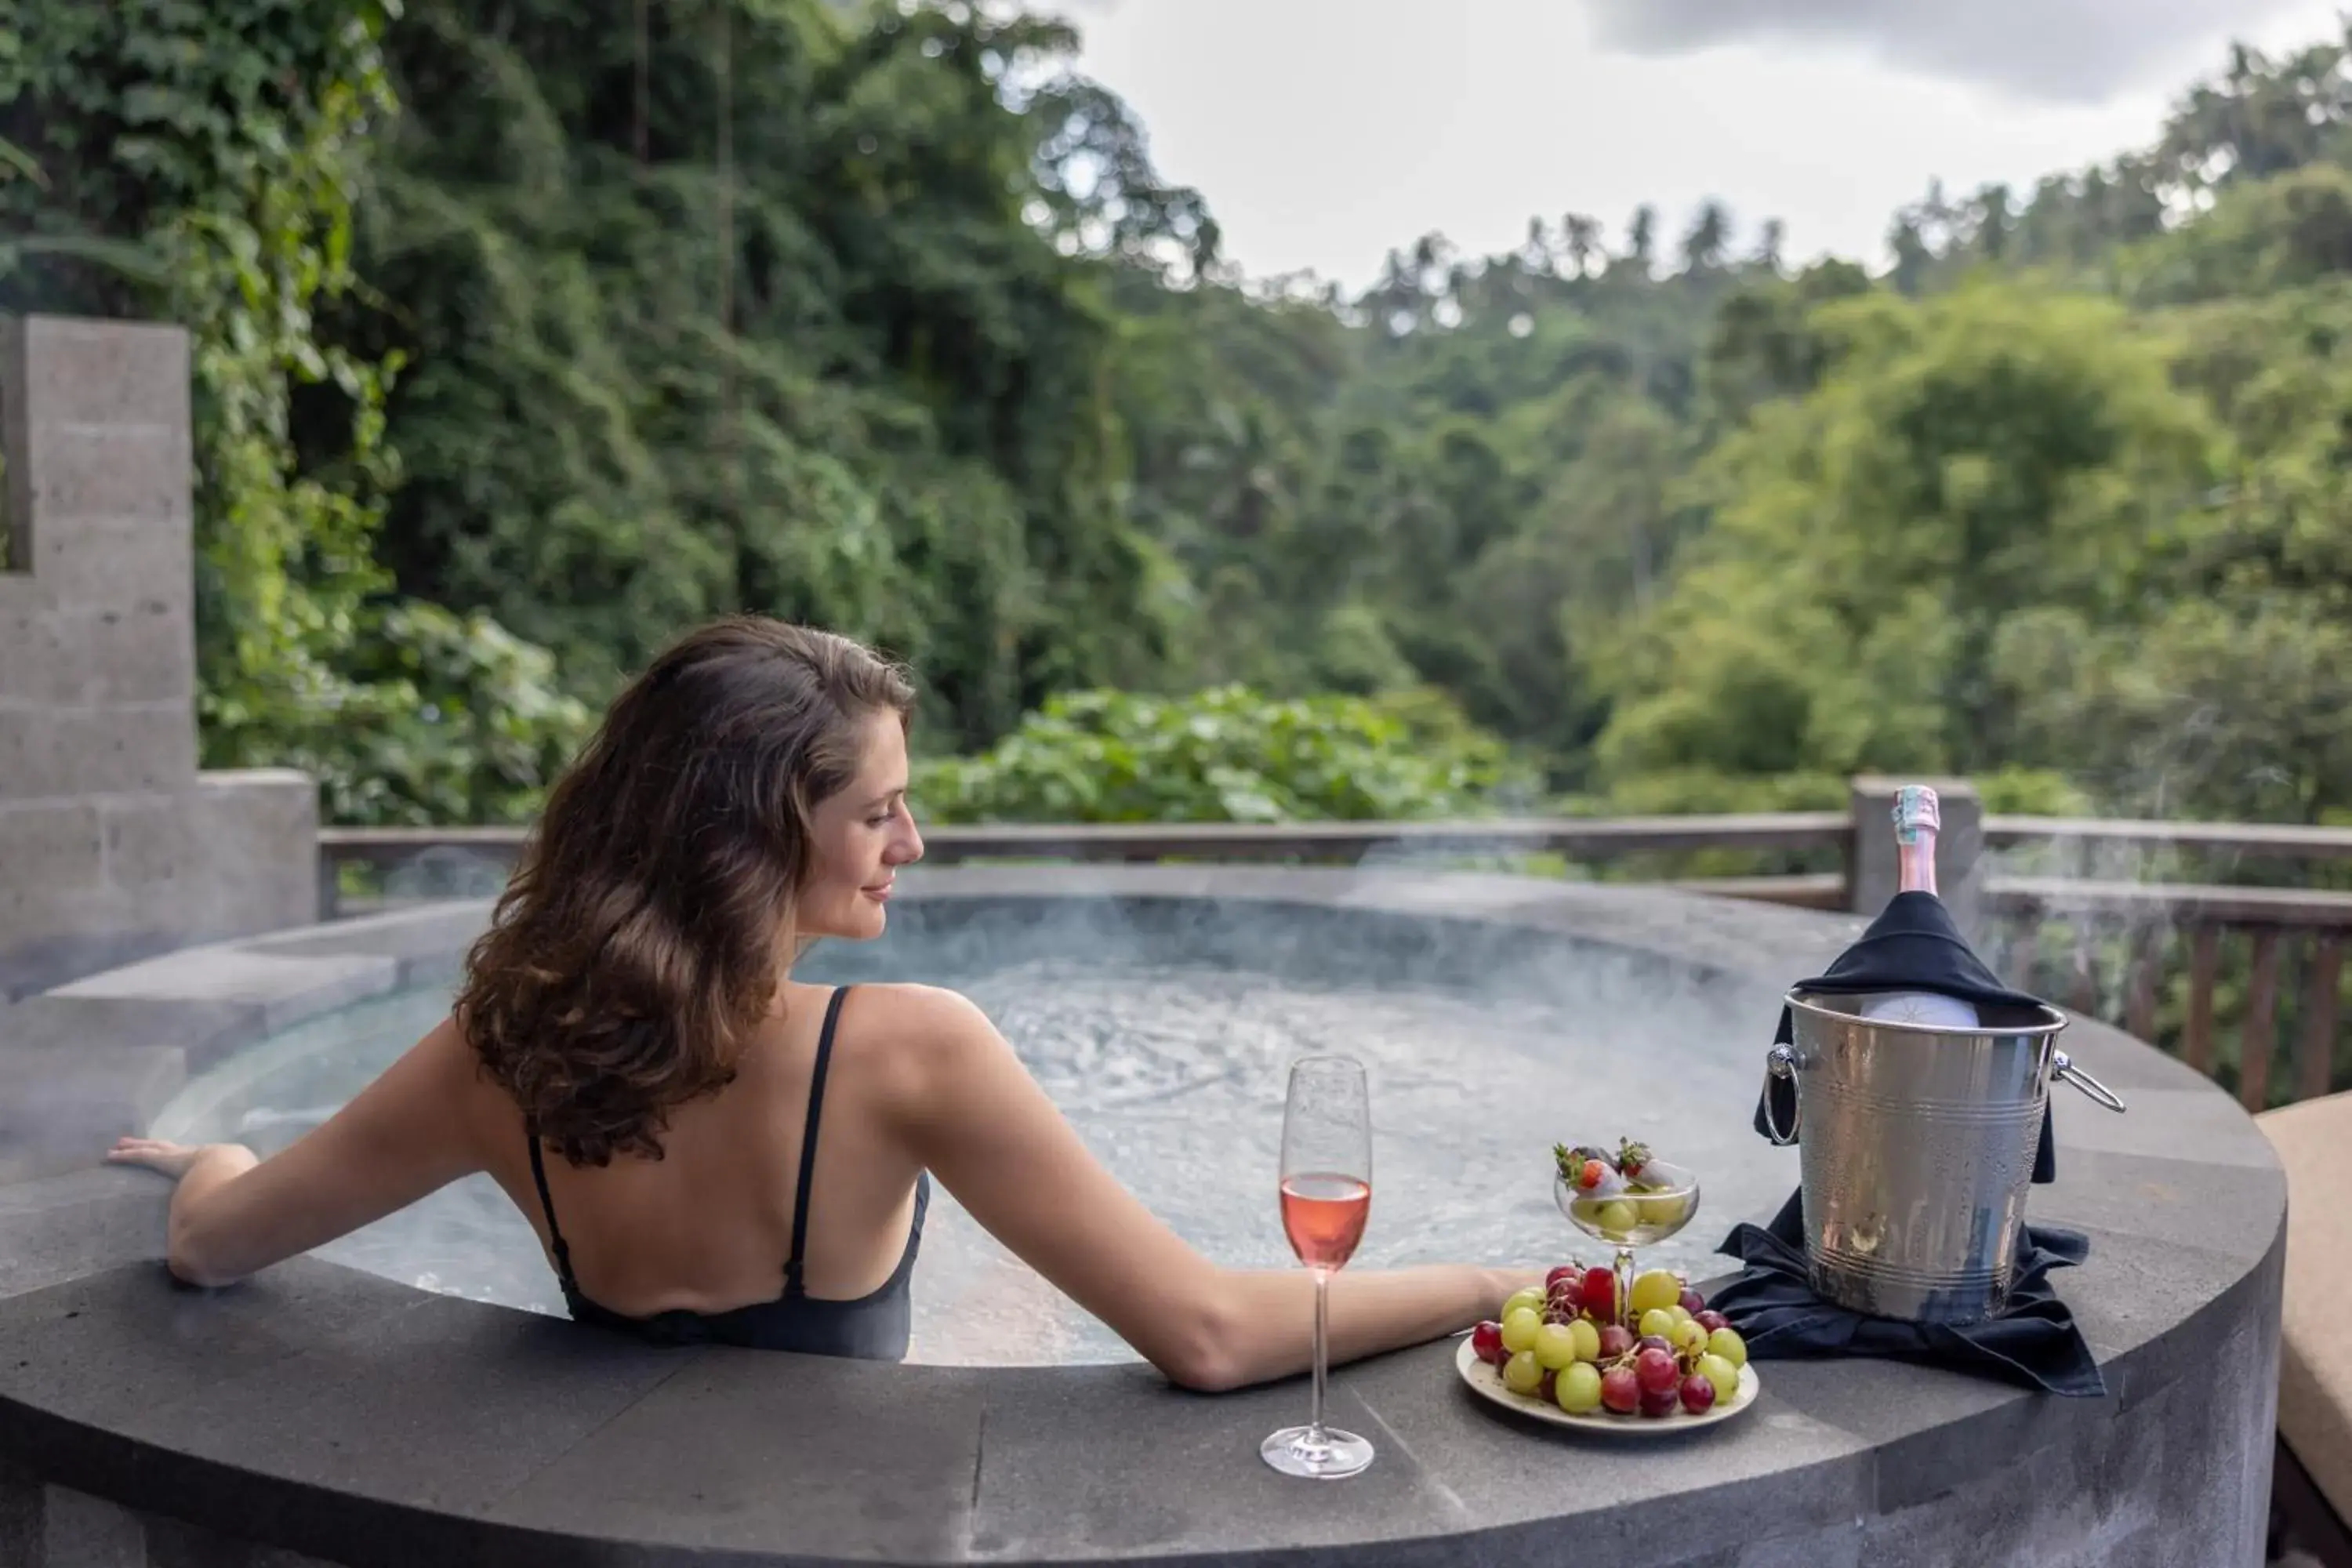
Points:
2088	949
444	872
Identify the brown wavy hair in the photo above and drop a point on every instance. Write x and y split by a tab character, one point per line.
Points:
649	920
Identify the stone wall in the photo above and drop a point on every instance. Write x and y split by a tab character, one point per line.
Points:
112	845
44	1526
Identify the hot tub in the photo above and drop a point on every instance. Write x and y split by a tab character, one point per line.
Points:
1163	1028
344	1414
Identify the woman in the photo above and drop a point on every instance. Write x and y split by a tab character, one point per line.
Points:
712	1150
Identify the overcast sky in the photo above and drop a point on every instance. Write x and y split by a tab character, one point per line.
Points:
1325	132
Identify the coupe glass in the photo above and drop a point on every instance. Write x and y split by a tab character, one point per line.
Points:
1662	1201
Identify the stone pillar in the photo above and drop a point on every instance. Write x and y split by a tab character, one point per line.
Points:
1960	847
111	845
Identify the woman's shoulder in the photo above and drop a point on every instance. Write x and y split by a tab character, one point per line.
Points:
919	1039
912	1016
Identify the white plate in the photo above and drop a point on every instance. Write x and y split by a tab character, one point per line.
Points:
1488	1382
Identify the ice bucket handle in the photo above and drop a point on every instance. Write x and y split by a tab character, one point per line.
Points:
2062	1068
1780	1066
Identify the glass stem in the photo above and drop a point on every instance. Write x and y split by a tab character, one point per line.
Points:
1322	1345
1625	1286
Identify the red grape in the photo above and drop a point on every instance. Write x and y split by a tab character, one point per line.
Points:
1548	1389
1599	1292
1698	1393
1692	1303
1710	1321
1659	1402
1615	1340
1619	1391
1486	1344
1567	1299
1565	1271
1656	1370
1654	1342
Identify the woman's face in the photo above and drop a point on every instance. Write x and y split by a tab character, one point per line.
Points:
862	836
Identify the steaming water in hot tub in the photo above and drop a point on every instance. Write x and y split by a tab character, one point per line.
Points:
1164	1032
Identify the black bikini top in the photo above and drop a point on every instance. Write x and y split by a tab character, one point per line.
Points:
873	1327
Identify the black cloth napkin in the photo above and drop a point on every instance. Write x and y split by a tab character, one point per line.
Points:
1913	945
2034	1341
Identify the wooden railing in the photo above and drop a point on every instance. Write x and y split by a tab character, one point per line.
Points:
2214	971
1348	842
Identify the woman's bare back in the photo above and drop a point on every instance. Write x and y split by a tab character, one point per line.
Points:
707	1228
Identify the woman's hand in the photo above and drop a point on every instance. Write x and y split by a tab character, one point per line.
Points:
171	1159
1502	1284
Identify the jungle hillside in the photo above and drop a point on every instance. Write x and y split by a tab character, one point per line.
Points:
530	332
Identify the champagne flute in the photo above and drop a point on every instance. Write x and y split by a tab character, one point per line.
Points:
1326	1194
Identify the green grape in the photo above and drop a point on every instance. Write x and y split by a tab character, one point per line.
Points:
1579	1388
1555	1346
1531	1298
1520	1326
1661	1212
1588	1342
1720	1372
1616	1217
1726	1343
1521	1374
1653	1289
1689	1338
1656	1321
1676	1311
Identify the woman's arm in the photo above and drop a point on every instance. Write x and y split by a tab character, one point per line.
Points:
980	1121
403	1137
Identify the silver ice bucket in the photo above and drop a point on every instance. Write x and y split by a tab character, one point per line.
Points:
1918	1146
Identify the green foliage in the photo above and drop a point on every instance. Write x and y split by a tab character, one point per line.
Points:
2015	791
1227	755
189	162
1686	791
195	163
776	309
1970	458
2286	232
466	723
880	317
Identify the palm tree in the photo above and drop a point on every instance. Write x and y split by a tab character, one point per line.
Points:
1642	239
1583	242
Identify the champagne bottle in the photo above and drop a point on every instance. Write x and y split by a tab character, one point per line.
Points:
1919	816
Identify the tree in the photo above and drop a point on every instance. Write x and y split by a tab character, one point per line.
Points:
1642	240
1965	459
1708	241
2261	236
1583	241
2261	116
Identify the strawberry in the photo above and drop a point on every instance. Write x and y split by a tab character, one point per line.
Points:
1576	1165
1632	1157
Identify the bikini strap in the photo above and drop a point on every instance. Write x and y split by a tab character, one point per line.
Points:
547	1205
808	1140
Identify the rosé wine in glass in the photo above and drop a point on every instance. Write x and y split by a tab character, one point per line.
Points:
1323	1215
